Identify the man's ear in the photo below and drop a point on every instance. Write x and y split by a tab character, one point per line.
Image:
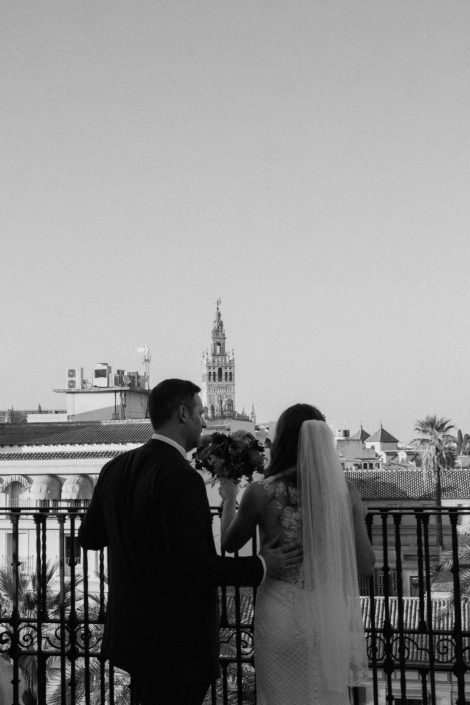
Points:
182	413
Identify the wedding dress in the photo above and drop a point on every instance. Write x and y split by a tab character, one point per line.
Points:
309	638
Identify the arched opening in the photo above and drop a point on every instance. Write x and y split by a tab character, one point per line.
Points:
230	376
209	376
219	375
226	376
77	489
44	490
13	493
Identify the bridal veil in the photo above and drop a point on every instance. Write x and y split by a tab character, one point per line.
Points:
331	593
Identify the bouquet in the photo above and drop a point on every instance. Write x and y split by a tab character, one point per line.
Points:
235	456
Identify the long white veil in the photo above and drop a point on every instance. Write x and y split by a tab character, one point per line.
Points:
332	607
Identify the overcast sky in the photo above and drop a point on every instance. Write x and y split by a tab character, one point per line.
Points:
308	162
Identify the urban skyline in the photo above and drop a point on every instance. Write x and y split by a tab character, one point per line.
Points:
307	162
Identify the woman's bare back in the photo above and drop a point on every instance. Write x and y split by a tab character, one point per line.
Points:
280	517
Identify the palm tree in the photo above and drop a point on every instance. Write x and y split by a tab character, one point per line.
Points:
25	590
22	589
88	676
437	448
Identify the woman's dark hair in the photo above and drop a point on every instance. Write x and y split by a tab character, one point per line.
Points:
285	445
167	396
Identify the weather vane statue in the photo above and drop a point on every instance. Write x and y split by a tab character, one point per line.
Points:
146	360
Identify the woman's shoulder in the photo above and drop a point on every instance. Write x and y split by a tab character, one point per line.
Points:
274	486
258	491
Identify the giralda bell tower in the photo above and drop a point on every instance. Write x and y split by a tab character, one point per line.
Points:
218	374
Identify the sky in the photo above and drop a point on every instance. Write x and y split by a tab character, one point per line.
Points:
308	162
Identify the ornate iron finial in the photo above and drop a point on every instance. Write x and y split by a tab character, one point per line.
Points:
218	302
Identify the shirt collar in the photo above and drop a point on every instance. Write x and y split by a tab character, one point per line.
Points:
171	442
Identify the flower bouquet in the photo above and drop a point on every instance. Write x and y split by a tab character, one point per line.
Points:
235	456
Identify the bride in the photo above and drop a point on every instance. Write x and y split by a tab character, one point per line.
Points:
309	637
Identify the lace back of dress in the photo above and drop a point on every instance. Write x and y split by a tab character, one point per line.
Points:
283	500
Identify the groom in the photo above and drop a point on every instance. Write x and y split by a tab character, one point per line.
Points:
150	510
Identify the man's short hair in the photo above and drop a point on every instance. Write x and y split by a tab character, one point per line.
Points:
167	396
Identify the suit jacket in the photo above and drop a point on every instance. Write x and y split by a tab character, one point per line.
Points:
150	510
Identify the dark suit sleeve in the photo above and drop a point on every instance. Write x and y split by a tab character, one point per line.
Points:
188	536
92	531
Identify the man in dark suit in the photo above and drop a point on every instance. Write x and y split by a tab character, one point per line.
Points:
150	510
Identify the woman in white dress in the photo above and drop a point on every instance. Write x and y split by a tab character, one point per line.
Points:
309	637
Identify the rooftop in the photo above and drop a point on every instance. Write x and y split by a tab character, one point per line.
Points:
74	433
58	455
408	484
382	436
360	435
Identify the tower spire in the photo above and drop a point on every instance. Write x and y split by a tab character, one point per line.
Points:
218	373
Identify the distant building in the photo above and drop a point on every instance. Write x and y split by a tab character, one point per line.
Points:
218	383
353	452
107	397
384	444
44	464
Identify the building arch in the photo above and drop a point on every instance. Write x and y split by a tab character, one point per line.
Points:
45	488
77	487
15	487
23	481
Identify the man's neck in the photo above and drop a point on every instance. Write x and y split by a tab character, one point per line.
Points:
173	435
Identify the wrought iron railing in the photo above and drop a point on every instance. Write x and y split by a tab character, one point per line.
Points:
52	607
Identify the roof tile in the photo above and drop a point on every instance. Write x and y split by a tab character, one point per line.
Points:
74	433
408	484
382	436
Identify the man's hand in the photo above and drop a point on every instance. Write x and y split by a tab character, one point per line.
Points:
278	559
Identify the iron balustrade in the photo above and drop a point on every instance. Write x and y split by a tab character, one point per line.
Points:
53	602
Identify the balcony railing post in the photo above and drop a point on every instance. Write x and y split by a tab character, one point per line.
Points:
86	634
459	668
40	613
429	615
15	650
372	648
72	621
388	631
62	629
401	624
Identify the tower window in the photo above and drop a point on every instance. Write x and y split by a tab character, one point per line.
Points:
219	375
230	376
209	376
226	377
217	349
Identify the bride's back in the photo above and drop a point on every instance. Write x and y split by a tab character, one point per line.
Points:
280	516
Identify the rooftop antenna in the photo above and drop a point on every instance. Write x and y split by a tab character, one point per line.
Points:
146	360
